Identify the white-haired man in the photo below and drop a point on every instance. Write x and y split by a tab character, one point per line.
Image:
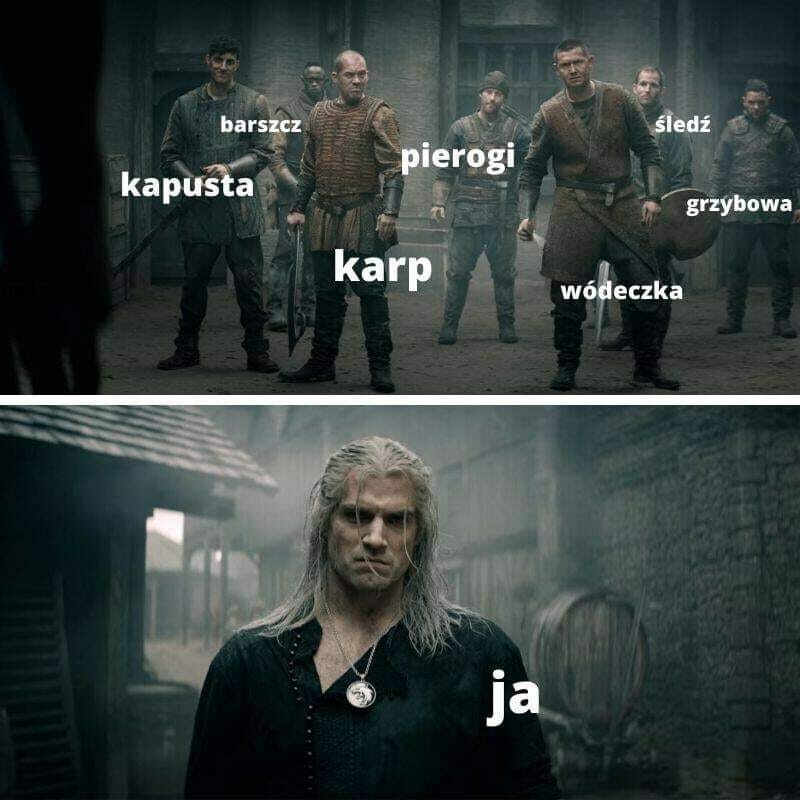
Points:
367	681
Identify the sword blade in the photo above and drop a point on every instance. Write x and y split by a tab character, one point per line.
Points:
603	270
165	222
295	319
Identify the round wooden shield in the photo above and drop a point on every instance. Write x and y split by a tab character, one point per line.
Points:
680	232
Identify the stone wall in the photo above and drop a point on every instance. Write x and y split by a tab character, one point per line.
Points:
401	45
698	516
623	36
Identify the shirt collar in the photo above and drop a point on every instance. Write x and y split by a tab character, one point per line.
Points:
306	100
386	670
204	95
654	113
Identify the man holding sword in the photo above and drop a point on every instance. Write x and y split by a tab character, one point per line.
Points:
350	143
676	155
589	129
285	167
194	144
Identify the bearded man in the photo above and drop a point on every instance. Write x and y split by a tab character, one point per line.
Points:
367	681
484	208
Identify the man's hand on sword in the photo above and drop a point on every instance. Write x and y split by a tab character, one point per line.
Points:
218	171
525	230
386	226
294	220
650	212
437	213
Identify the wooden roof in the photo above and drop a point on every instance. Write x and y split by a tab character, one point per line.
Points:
176	437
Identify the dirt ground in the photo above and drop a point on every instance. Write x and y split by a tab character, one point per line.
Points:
753	362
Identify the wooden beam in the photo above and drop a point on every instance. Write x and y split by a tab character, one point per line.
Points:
116	601
509	35
448	65
142	136
153	623
136	583
224	545
193	496
207	592
186	597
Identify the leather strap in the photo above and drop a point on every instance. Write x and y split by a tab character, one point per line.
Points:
338	207
613	186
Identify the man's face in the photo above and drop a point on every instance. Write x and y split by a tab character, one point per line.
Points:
574	67
313	82
648	88
491	100
351	79
372	533
756	104
222	67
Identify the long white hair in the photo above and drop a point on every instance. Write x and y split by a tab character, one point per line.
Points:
430	618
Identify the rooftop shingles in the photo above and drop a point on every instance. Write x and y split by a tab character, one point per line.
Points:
181	438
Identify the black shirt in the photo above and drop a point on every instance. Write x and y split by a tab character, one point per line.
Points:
264	729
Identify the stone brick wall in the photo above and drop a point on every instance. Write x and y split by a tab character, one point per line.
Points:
401	45
283	37
698	515
623	36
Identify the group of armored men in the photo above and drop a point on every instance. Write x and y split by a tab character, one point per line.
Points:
340	184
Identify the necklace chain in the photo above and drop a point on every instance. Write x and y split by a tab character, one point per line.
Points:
363	675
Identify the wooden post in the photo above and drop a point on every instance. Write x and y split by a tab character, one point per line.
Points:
186	598
223	583
152	633
508	61
207	591
117	603
448	66
137	583
142	135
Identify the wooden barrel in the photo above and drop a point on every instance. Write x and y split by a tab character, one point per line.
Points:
585	657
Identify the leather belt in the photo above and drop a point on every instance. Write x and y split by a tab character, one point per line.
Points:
477	193
339	206
608	189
